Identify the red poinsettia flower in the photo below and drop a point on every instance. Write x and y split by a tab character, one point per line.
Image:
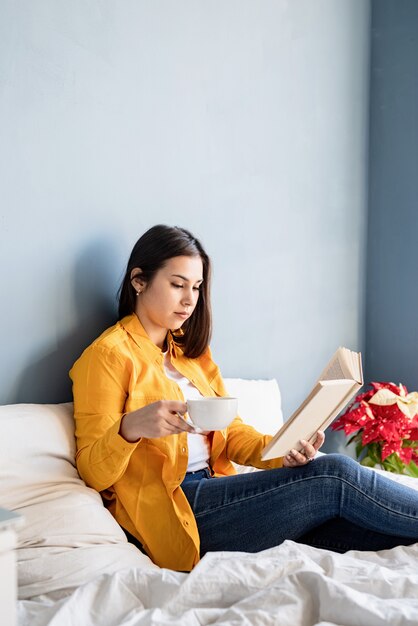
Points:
383	421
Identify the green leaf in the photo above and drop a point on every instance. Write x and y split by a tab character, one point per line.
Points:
367	462
388	464
397	464
409	443
375	453
359	449
411	469
353	438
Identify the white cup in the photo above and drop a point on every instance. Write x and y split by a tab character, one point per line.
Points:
212	413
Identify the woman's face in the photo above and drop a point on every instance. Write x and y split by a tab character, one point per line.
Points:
170	298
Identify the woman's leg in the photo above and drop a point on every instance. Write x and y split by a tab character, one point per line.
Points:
340	535
255	511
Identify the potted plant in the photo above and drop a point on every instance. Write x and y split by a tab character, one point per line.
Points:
383	423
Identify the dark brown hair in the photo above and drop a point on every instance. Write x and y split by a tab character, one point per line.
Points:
150	253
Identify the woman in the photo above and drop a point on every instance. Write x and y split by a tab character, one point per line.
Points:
175	492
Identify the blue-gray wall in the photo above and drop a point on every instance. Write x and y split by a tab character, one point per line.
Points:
392	258
245	121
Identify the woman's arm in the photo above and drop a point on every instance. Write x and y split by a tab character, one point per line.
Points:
245	445
100	387
106	435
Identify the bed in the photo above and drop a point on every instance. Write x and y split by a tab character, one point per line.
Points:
76	568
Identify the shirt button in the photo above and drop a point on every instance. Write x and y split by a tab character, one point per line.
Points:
186	523
183	450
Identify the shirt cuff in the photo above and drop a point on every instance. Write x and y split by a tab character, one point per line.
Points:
115	443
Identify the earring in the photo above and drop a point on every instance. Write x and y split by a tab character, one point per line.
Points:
137	293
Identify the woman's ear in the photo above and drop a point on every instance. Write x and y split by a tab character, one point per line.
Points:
137	282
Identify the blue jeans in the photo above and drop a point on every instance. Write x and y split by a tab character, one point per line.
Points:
332	503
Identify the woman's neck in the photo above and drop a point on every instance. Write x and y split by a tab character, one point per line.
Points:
159	337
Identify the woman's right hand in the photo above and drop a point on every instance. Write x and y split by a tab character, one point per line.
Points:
158	419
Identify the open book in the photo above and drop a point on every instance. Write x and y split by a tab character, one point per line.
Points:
338	383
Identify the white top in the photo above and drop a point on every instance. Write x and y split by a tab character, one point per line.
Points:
198	445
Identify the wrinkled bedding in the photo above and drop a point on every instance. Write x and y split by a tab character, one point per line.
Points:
291	585
75	567
104	581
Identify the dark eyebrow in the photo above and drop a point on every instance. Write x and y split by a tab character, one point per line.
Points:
186	279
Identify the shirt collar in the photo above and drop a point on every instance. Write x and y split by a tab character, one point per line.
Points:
132	325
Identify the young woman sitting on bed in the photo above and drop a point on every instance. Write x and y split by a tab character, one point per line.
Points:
176	493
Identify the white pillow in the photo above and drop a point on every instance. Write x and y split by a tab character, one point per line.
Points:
39	480
259	403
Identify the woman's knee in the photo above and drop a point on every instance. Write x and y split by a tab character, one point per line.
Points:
338	463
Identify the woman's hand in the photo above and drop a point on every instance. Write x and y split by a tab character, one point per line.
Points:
295	458
158	419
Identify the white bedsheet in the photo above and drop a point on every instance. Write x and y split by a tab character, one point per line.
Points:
291	585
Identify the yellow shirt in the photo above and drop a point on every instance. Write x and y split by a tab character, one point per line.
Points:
120	372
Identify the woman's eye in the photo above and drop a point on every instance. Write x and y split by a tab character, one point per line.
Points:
176	286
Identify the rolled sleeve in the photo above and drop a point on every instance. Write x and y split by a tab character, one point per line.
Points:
245	445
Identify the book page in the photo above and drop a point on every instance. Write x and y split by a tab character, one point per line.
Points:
345	364
334	369
334	372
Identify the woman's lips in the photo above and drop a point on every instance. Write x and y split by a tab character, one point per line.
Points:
183	316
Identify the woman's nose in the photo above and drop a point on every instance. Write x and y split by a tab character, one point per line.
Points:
187	296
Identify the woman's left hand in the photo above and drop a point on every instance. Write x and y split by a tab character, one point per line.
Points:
295	458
